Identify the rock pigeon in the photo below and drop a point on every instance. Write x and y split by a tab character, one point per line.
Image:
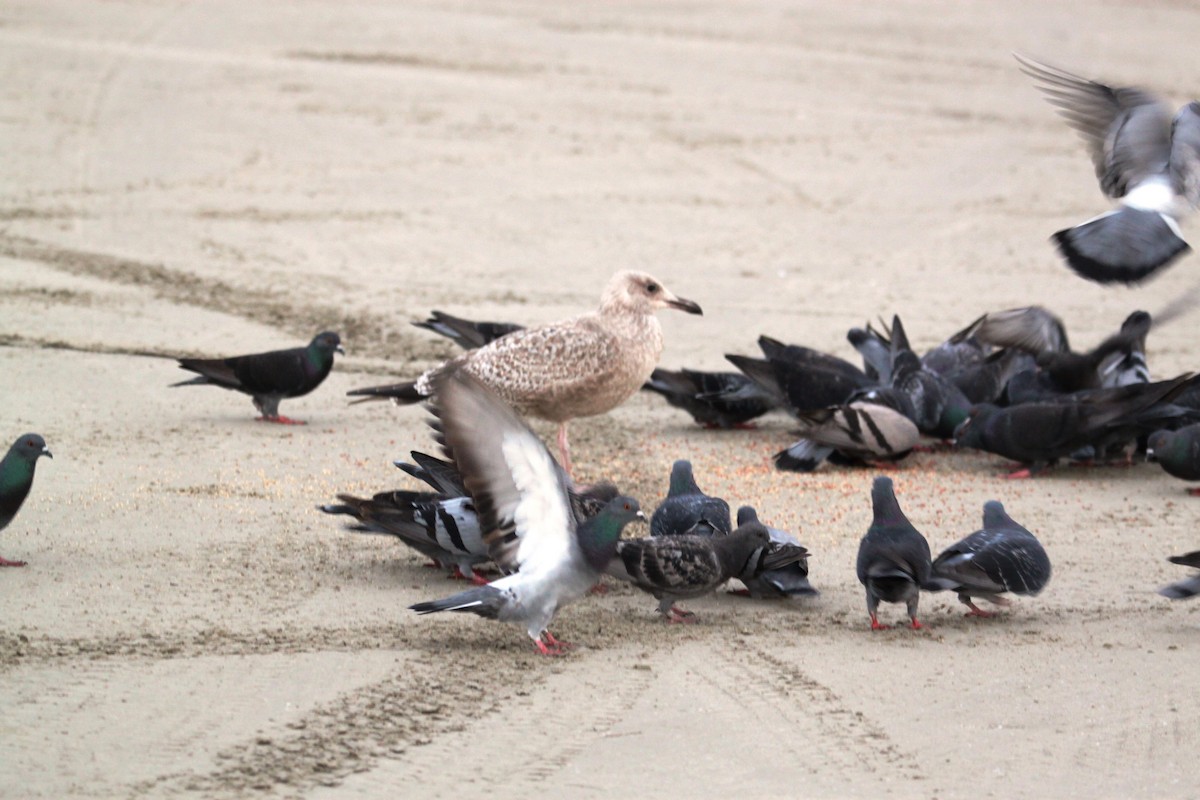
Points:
269	377
443	529
714	399
1038	434
1188	587
803	379
1000	557
523	502
687	510
893	557
439	474
1146	158
465	333
789	580
679	567
1178	452
580	367
16	477
857	434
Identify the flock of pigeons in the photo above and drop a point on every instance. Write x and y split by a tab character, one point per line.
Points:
1007	383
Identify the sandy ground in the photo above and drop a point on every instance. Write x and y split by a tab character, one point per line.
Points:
225	177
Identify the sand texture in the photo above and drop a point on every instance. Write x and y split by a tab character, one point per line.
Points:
217	178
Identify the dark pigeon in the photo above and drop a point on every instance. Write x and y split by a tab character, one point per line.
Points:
893	557
856	434
1188	587
687	510
788	580
1146	158
802	378
16	478
522	498
1178	452
679	567
1038	434
714	399
269	377
467	334
1000	557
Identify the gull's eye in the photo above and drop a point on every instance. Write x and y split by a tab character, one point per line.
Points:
652	287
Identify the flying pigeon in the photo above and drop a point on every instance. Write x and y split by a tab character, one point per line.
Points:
579	367
1000	557
1146	158
16	477
714	399
855	434
789	580
269	377
1179	453
523	502
467	334
687	510
690	565
893	557
1188	587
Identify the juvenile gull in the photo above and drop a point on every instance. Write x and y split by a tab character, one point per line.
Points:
579	367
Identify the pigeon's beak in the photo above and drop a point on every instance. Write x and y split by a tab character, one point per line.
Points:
684	305
640	516
340	349
1150	457
46	452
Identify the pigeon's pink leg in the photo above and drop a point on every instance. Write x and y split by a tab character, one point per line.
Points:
556	643
876	625
4	562
564	449
1020	474
1194	491
281	420
474	577
552	650
678	615
976	611
916	626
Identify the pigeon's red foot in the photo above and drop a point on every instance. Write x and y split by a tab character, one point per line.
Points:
4	562
979	612
280	420
678	616
917	626
598	588
474	577
551	646
1020	474
876	625
1194	491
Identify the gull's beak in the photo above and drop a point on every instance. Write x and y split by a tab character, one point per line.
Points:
684	305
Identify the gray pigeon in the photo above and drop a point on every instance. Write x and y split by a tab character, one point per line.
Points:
1178	452
522	497
1188	587
269	377
855	434
1000	557
1146	158
689	565
16	478
443	529
789	580
687	510
893	557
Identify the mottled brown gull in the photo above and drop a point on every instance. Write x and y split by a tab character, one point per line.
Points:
580	367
